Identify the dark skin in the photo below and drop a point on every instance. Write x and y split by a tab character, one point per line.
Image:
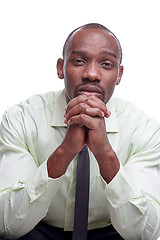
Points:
91	69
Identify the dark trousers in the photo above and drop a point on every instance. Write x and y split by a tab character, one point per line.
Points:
45	232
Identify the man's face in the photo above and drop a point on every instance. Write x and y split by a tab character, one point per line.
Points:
91	64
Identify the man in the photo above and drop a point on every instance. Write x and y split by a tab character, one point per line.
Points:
41	138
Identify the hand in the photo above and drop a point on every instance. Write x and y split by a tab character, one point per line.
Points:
74	140
89	111
85	113
72	144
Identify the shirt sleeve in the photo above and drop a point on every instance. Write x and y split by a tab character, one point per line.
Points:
25	187
134	193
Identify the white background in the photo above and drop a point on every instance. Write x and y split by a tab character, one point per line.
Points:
32	33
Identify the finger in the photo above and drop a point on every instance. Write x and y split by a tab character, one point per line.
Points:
91	101
95	102
86	109
92	112
108	114
85	120
76	110
75	101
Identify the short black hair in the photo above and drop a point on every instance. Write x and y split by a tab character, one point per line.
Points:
91	26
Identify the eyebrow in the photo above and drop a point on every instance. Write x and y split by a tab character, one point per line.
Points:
79	52
103	52
109	53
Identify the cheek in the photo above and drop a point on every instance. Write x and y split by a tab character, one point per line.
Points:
113	75
109	86
108	93
72	78
69	82
110	79
70	75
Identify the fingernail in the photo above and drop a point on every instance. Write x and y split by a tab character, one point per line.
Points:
109	113
69	122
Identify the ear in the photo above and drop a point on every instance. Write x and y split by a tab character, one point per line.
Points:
60	68
120	74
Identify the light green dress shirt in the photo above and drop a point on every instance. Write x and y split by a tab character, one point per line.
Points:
29	134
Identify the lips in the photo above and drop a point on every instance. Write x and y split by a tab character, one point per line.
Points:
89	90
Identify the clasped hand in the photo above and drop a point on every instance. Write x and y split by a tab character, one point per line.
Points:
86	112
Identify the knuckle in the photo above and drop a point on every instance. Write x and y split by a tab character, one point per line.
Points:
81	104
81	98
82	116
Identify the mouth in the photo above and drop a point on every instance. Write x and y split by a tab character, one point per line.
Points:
89	90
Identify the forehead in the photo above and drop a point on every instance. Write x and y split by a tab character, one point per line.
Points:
93	41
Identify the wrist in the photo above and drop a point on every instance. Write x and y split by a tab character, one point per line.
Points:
68	151
58	162
108	163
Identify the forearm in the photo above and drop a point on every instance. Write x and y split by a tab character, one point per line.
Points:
27	203
17	213
131	212
133	221
108	163
60	159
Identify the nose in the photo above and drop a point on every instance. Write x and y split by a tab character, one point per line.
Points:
92	72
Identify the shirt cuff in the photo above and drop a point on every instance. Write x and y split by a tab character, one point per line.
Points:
121	189
40	186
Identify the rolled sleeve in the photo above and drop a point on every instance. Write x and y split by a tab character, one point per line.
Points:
40	186
121	189
128	205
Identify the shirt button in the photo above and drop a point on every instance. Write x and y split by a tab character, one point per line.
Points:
42	183
123	226
36	191
21	216
115	201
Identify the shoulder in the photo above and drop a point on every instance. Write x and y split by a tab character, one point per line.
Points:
126	108
136	129
39	101
37	108
129	115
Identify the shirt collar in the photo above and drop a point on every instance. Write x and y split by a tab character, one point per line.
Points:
59	110
111	122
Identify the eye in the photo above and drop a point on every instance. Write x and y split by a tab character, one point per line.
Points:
107	65
78	62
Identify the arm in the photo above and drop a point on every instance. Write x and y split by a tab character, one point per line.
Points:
25	189
133	194
133	208
28	189
90	112
76	135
